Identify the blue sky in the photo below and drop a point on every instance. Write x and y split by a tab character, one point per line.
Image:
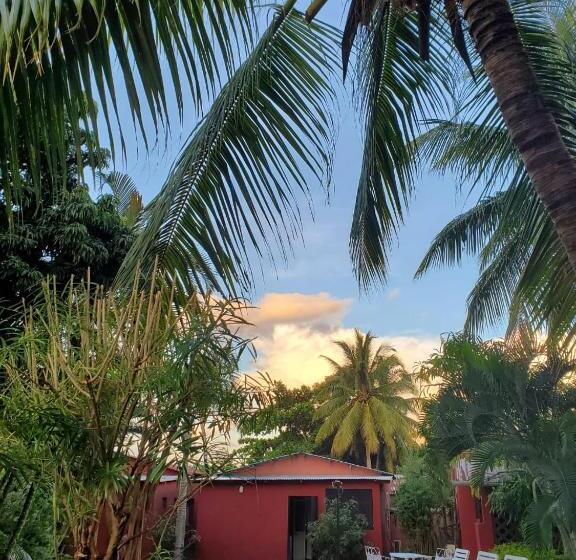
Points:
424	309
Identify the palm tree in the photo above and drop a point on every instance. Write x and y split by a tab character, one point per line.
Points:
524	269
367	403
509	404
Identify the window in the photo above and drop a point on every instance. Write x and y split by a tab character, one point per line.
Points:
397	545
164	503
362	497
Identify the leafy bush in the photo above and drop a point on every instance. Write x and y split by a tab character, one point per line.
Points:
511	499
420	494
328	536
35	537
520	549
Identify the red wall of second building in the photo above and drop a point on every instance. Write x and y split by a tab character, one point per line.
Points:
253	524
476	527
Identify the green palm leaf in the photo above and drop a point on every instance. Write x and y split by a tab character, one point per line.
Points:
524	270
235	183
395	90
57	56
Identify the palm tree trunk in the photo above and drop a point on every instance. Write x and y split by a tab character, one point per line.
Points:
368	458
181	515
530	124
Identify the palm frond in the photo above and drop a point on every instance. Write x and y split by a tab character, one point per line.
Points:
235	184
347	431
125	190
395	89
525	272
57	63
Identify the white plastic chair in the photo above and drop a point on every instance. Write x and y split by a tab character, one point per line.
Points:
445	553
486	555
461	554
373	553
510	557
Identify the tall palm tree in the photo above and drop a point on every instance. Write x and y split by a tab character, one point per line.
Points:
524	270
368	403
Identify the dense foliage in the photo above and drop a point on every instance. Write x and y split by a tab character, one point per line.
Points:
36	534
133	382
525	551
510	405
286	425
421	492
338	533
63	234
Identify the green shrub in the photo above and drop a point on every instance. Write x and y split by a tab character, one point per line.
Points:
520	549
36	535
327	534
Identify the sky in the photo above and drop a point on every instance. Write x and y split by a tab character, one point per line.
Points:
313	299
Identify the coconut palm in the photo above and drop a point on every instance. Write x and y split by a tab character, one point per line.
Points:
509	404
368	403
524	269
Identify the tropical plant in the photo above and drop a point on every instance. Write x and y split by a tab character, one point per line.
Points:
104	391
422	493
339	531
510	500
367	404
525	551
524	270
510	405
35	536
286	425
61	234
58	56
248	203
236	181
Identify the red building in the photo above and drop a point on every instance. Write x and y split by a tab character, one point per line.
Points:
261	512
479	529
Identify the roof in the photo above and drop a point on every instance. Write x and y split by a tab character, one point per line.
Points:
303	467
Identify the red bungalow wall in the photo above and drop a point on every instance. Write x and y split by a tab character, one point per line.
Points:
476	525
247	518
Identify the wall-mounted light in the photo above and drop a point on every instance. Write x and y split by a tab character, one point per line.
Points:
241	490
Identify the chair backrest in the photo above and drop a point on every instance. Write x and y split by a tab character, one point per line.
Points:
461	554
510	557
486	555
372	553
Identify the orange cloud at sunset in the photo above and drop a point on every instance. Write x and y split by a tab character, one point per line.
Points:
294	330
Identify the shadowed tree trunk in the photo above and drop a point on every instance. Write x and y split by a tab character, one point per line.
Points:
20	523
181	515
530	124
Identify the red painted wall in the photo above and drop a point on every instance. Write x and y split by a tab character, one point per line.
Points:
253	524
476	527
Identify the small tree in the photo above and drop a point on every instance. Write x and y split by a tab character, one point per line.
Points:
104	391
421	493
337	535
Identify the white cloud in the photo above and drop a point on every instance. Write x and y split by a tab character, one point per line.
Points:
295	330
393	294
319	310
